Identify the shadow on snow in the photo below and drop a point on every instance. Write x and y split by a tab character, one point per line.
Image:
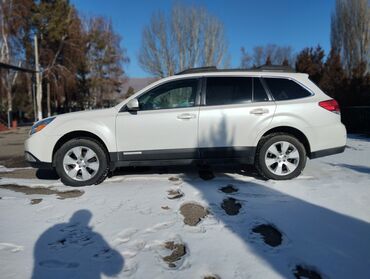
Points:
74	250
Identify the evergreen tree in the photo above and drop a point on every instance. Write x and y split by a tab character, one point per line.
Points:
130	91
285	62
268	61
310	61
334	80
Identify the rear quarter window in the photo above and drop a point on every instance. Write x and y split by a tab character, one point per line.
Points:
286	89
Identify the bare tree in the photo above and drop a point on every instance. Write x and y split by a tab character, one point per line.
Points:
271	53
13	18
104	60
189	37
350	32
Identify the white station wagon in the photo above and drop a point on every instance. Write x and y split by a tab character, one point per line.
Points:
272	118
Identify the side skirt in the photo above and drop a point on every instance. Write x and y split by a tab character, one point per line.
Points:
211	156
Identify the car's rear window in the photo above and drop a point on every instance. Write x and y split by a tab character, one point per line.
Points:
286	89
228	90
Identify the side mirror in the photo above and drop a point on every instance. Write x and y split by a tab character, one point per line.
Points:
133	105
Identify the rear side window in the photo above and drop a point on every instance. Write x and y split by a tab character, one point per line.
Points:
286	89
228	90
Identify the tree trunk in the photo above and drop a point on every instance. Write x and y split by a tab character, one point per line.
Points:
39	96
48	98
38	82
8	90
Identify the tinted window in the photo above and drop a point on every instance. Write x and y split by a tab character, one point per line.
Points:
259	93
178	94
285	89
225	90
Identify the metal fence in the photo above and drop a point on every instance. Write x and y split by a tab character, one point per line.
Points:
356	119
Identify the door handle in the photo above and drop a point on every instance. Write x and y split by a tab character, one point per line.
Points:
259	111
186	116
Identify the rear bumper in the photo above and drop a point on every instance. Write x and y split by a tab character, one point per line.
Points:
327	152
34	162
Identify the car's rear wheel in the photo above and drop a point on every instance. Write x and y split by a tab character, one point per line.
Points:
280	157
81	162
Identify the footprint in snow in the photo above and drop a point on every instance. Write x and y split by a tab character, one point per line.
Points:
229	189
193	213
178	250
130	267
125	235
160	226
174	194
270	234
35	201
173	179
10	247
231	206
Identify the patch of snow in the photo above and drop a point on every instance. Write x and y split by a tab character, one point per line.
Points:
4	169
323	217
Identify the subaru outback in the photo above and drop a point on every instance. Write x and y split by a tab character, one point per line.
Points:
271	117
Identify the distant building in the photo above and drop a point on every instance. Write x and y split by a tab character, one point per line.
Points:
135	83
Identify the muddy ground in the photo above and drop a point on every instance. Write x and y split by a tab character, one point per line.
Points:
12	153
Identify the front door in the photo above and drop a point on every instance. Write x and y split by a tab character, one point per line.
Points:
165	127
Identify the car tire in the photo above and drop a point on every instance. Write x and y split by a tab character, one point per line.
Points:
81	162
280	157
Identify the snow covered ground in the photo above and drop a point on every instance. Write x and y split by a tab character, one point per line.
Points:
119	228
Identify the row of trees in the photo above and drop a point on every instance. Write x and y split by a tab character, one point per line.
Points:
80	58
343	73
82	61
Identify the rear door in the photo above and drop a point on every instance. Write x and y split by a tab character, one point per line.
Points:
234	110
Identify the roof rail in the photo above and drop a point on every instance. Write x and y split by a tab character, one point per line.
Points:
198	70
264	68
274	68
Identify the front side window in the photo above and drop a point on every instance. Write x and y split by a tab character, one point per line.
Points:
177	94
228	90
286	89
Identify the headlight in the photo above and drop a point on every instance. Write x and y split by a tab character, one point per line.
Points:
41	125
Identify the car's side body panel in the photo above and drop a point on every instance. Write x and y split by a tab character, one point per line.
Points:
210	133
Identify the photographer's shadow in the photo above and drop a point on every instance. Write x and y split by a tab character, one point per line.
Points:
74	250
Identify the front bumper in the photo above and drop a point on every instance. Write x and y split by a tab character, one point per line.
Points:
39	149
36	163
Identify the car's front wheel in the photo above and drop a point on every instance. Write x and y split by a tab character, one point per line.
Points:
81	162
280	157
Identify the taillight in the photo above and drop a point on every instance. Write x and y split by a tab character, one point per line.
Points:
330	105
